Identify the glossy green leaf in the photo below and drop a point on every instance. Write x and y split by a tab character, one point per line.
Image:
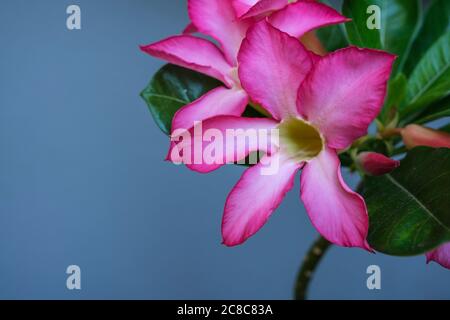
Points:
399	23
171	88
332	37
358	32
430	81
401	20
436	111
436	23
409	208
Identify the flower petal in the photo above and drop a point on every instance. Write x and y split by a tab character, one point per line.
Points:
218	20
190	28
263	8
222	140
241	7
219	101
440	255
254	198
344	93
298	18
272	65
338	213
192	53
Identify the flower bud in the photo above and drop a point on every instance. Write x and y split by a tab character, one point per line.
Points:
415	136
375	164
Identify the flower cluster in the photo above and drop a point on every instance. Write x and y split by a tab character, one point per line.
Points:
318	105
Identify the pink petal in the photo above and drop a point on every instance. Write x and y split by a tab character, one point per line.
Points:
440	255
263	8
190	28
192	53
254	199
254	135
344	93
298	18
220	101
272	65
338	213
241	7
218	20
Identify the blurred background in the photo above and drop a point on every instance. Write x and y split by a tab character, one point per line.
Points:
83	181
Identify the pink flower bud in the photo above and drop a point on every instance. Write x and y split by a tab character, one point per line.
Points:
415	136
376	164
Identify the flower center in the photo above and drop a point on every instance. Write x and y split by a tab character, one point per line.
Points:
234	76
300	140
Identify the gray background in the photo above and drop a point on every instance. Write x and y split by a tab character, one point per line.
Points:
83	181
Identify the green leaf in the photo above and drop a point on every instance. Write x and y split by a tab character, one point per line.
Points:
399	22
358	32
409	208
445	128
436	111
437	22
171	88
430	81
332	37
396	95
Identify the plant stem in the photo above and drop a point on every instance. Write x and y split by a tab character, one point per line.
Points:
310	263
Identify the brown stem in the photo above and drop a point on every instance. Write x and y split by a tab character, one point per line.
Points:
310	263
389	133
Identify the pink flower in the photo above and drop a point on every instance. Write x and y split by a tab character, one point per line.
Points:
319	105
217	19
376	164
440	255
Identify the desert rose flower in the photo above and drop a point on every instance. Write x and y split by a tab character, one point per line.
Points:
218	19
317	107
375	164
415	136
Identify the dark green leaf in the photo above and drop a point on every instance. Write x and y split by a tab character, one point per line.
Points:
430	81
399	22
437	22
332	37
409	208
171	88
358	32
436	111
445	128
